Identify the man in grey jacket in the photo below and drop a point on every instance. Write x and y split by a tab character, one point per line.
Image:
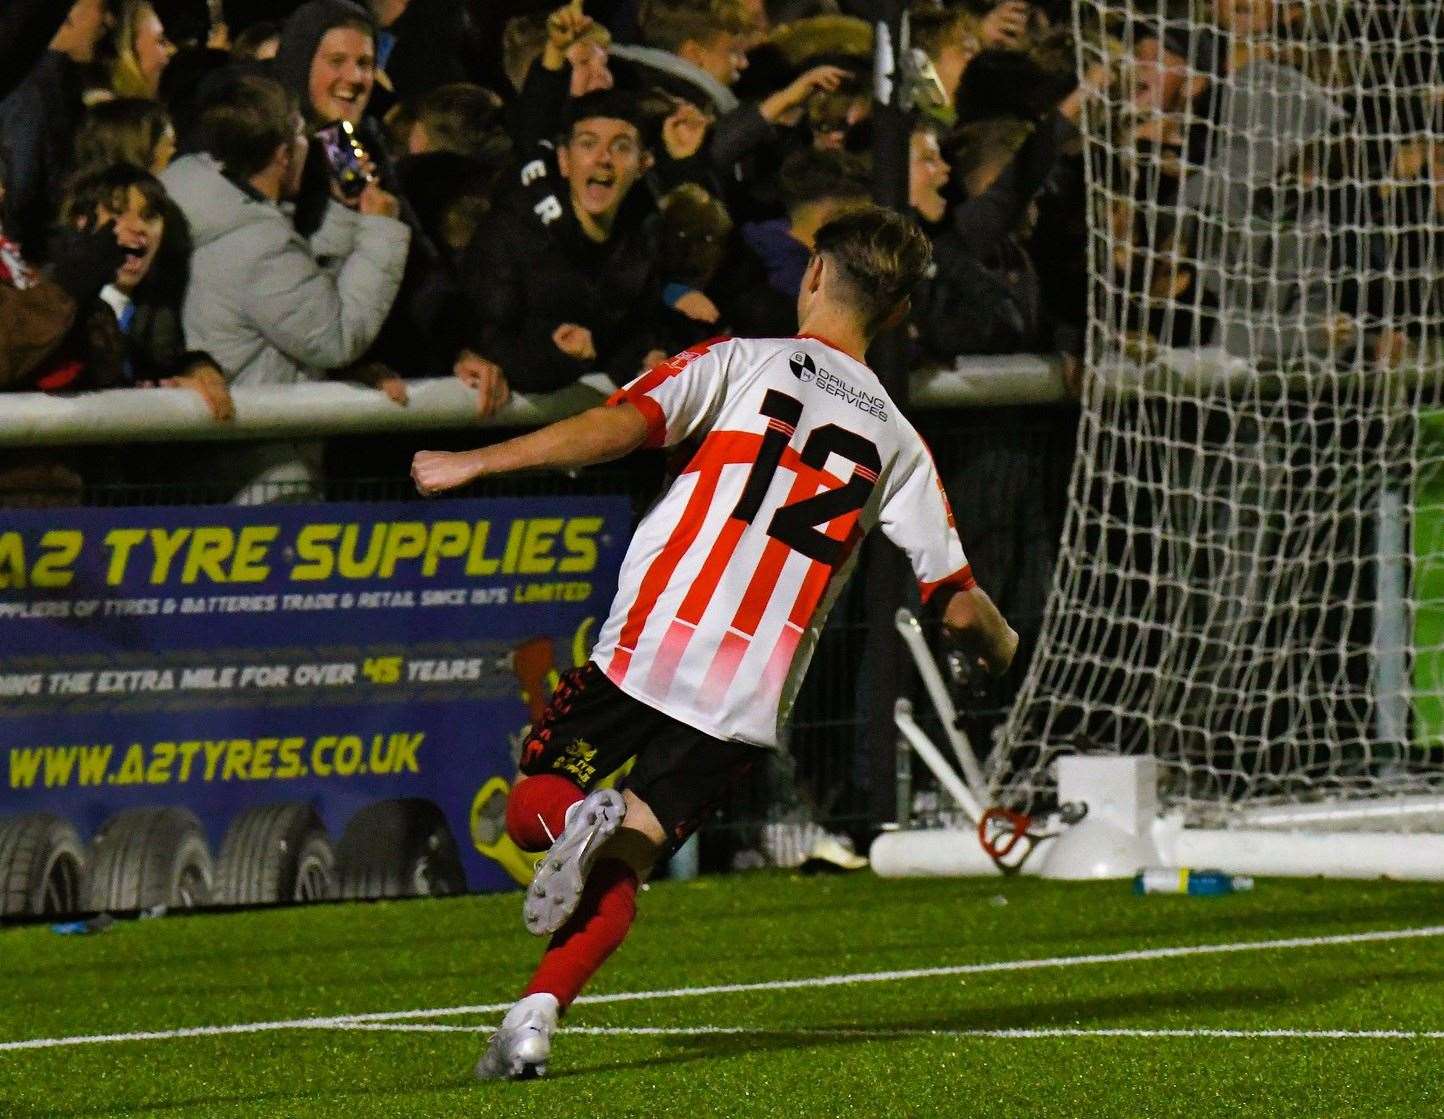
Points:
272	307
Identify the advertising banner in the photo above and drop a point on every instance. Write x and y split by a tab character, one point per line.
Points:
220	657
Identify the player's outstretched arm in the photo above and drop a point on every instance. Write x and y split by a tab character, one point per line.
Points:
981	630
596	435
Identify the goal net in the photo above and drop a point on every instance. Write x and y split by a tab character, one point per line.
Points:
1251	586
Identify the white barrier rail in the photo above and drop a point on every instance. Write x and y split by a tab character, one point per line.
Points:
335	408
989	382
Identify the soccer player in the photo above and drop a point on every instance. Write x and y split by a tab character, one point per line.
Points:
722	593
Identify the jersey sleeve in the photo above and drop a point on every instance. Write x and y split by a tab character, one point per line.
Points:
680	395
917	517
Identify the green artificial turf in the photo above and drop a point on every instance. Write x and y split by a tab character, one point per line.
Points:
900	1046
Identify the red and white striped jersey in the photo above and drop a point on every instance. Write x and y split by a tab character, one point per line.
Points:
731	574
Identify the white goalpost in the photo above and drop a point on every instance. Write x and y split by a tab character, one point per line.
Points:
1250	592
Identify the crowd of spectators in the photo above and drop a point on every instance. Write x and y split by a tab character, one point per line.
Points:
212	194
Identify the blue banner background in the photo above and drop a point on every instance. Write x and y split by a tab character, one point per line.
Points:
517	588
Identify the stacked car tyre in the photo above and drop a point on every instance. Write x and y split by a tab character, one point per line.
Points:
396	849
42	866
276	853
148	857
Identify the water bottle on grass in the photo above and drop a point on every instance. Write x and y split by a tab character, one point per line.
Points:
1182	880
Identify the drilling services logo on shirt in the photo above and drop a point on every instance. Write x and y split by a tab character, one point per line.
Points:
806	370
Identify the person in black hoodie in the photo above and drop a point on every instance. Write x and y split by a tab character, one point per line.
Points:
562	278
327	58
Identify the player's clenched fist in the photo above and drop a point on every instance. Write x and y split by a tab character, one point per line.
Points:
438	471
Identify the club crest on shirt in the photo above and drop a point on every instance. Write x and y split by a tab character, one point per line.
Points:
680	361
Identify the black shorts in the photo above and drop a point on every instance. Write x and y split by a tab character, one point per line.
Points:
591	728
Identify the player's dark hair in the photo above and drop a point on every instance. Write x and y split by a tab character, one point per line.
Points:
880	255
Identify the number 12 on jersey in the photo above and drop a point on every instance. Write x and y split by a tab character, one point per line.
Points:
799	524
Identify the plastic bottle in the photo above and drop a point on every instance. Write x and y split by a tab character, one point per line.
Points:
1181	880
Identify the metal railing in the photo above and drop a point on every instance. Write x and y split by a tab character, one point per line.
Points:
328	408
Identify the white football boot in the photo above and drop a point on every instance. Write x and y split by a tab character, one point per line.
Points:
562	873
520	1047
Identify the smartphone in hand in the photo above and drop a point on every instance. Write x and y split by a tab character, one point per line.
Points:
346	158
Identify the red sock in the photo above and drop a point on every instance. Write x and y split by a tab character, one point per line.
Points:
537	805
599	925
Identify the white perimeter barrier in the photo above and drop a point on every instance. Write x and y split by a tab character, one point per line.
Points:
336	408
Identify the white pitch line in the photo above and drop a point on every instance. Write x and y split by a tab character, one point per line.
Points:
332	1021
885	1032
